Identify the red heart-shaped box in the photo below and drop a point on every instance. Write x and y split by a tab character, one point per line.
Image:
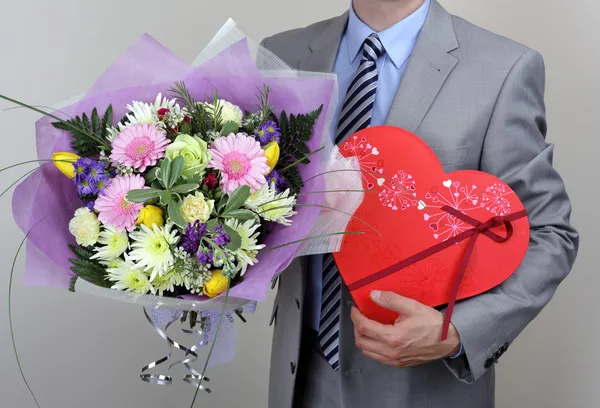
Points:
409	189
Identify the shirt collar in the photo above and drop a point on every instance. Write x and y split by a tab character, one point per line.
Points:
398	40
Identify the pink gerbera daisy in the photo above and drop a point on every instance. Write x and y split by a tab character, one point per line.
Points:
241	160
139	146
115	211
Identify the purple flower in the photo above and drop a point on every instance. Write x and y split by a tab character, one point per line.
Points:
268	132
205	257
82	166
220	237
84	187
95	172
190	241
89	204
274	178
90	176
101	184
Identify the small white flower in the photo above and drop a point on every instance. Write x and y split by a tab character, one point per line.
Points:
246	253
152	249
85	227
115	243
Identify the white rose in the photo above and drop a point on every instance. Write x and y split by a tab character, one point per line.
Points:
196	207
85	227
229	111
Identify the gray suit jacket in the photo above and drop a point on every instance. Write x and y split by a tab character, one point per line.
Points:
477	99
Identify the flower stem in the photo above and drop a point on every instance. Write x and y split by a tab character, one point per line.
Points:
300	160
212	346
102	142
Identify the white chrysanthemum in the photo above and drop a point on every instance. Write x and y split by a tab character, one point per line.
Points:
147	114
115	243
166	283
113	263
152	249
85	227
129	277
280	209
141	113
262	196
229	111
246	253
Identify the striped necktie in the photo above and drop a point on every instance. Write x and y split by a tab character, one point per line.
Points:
355	115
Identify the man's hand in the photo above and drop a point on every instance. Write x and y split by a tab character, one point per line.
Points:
413	339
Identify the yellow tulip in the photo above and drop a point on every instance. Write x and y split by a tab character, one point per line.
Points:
216	285
64	162
272	154
150	215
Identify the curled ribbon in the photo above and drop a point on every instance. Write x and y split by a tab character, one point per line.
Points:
472	234
160	379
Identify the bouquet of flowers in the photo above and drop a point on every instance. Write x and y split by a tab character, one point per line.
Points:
186	188
176	199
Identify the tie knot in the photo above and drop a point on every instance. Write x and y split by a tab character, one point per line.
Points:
372	48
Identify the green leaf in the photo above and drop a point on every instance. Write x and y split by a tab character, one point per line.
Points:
152	175
72	283
96	126
229	128
88	137
236	239
175	215
176	171
185	128
165	197
212	223
195	179
156	184
241	215
142	196
185	188
222	202
237	198
107	119
165	171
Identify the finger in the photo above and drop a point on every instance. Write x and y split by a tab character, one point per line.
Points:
394	302
370	328
374	346
380	358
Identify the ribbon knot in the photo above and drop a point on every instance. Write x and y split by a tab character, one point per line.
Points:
479	228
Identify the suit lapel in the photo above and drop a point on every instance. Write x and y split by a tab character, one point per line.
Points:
324	48
427	70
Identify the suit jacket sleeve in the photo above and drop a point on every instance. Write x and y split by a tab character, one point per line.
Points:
515	150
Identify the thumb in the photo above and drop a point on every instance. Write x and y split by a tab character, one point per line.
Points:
392	301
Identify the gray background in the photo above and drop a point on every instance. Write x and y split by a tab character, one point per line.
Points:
86	352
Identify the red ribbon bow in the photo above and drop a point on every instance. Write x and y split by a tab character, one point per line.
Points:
472	234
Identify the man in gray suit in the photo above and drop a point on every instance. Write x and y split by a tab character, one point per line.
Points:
477	99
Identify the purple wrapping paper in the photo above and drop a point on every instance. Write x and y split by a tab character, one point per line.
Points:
44	203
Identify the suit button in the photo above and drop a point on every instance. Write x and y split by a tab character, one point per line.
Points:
504	347
297	303
293	367
496	355
488	363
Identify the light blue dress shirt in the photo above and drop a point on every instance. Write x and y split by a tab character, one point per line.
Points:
399	41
